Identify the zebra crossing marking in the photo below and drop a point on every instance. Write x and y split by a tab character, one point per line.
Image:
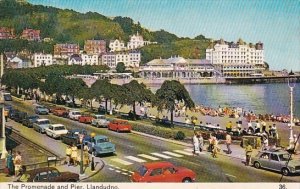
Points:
118	171
172	154
124	173
183	152
111	169
161	155
121	161
189	149
135	159
148	157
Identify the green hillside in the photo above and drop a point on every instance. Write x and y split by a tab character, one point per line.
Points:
64	25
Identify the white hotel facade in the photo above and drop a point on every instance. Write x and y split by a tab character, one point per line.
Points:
236	59
130	58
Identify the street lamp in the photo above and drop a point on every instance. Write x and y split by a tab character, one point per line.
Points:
81	136
291	85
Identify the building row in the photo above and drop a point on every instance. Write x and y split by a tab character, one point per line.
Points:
27	34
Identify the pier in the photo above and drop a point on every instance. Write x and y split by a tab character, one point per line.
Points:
260	80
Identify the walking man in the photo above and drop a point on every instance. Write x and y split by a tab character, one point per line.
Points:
196	144
201	142
248	154
228	143
18	163
68	154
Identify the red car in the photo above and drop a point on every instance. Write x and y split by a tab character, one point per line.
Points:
85	118
163	172
60	111
119	125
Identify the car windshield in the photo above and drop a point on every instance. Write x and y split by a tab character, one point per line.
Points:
24	177
41	107
44	122
59	128
284	157
33	117
103	140
100	117
76	113
142	171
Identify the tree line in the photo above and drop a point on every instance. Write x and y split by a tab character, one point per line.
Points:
131	94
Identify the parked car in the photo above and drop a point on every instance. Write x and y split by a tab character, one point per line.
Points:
12	113
100	144
163	172
72	137
40	125
50	107
41	110
100	121
60	111
119	125
74	114
19	116
276	160
48	174
29	120
6	96
85	118
56	130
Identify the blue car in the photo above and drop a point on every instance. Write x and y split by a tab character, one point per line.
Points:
100	145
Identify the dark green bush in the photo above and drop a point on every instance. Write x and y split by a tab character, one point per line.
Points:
179	135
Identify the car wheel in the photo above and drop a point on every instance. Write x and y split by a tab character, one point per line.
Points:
187	180
285	171
257	165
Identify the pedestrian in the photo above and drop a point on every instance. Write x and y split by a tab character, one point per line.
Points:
228	143
74	154
68	155
265	143
248	154
18	163
216	148
210	140
9	164
86	159
229	126
196	143
201	142
6	115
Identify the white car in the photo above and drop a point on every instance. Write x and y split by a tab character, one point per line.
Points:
40	125
56	130
100	121
74	114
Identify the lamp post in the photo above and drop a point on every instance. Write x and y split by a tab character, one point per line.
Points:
81	136
291	85
93	142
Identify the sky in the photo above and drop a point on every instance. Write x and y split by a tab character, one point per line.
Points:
276	23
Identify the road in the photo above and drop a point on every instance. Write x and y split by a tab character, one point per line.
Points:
133	149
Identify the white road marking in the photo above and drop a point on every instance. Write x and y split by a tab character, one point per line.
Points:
183	152
130	172
189	149
135	159
231	175
172	154
121	161
111	169
118	171
124	173
161	155
116	166
124	170
148	157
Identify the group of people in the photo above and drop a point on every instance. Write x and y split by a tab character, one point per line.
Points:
73	157
14	165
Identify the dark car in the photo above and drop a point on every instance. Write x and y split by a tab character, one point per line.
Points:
48	174
7	96
12	113
72	137
29	120
20	116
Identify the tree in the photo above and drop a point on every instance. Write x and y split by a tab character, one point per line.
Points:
135	92
120	67
74	87
169	93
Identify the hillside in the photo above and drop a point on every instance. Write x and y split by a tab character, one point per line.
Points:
64	25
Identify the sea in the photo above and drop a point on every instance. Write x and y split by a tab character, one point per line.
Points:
273	98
